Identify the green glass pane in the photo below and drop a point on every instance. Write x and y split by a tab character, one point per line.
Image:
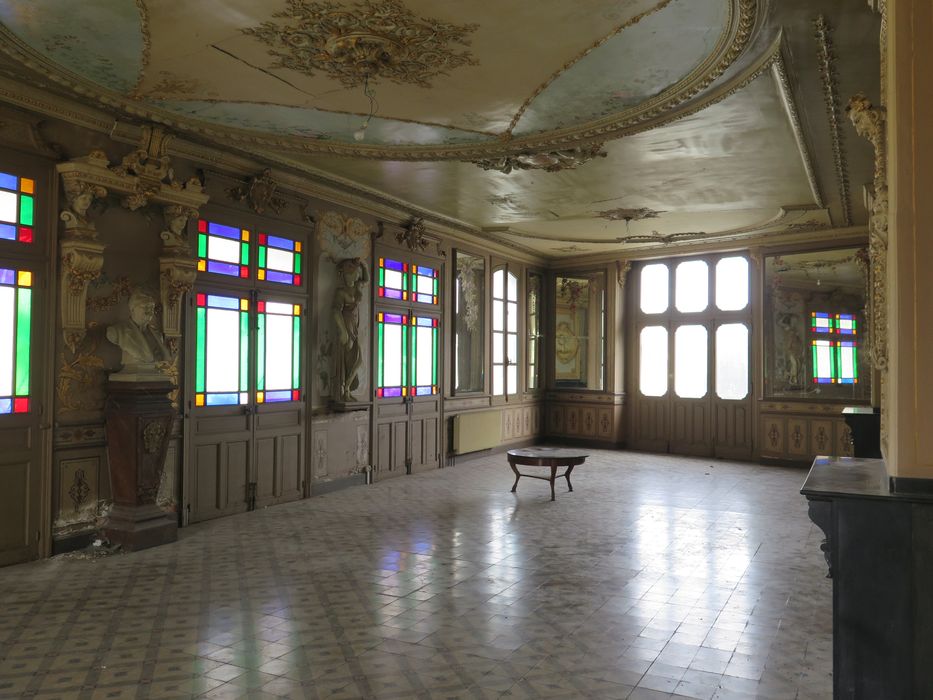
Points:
7	338
262	257
422	355
280	344
23	317
296	354
200	346
202	246
404	355
414	355
244	253
261	352
435	286
380	356
297	263
222	362
25	210
382	277
434	358
244	351
854	360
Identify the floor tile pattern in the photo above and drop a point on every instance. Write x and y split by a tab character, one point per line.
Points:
657	577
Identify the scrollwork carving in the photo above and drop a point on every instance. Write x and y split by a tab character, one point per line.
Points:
826	55
176	278
549	161
259	191
81	262
413	234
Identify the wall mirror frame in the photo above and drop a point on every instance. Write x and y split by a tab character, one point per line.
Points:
469	323
816	343
579	323
534	325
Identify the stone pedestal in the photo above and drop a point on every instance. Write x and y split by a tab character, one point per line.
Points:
139	422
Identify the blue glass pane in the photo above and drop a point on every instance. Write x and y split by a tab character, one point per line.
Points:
7	232
393	265
275	276
423	390
223	268
6	405
6	276
285	395
225	231
222	399
7	181
277	242
223	302
422	321
392	391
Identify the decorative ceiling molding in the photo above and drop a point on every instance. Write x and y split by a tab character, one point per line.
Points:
743	15
371	39
260	192
550	161
826	55
147	45
627	215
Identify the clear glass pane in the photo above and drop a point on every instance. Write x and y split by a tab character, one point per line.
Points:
512	287
512	317
7	320
8	207
222	359
848	364
732	284
511	373
280	259
823	362
511	341
392	354
498	322
424	349
654	288
498	283
690	362
497	350
691	287
498	373
279	337
223	249
652	372
732	361
425	284
393	279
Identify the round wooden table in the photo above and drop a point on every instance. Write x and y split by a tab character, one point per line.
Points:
552	457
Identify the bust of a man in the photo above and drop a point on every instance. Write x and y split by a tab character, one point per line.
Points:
142	345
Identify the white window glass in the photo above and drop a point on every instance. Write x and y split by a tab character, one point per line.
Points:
732	284
732	361
823	358
393	279
7	347
425	356
392	354
652	374
498	320
222	358
219	248
425	285
497	284
279	345
498	385
511	343
691	286
498	356
278	307
847	369
8	207
512	287
654	289
512	377
279	259
690	362
512	317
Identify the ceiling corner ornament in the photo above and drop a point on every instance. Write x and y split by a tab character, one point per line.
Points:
549	161
259	192
826	56
368	39
413	234
627	215
870	122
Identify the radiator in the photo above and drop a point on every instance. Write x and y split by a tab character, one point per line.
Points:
477	431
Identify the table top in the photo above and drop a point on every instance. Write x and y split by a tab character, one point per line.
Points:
548	453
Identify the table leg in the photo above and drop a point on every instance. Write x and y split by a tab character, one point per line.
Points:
553	476
567	474
517	475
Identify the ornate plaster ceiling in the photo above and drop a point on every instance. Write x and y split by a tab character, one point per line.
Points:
720	118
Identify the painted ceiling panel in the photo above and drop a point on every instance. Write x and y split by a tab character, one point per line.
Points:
102	42
653	59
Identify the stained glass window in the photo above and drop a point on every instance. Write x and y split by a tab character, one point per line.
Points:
847	361
279	260
221	350
278	375
16	208
223	250
391	351
821	322
15	322
834	361
424	283
824	366
423	356
392	282
845	324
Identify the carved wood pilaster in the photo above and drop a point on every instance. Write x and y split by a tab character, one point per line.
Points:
81	262
176	278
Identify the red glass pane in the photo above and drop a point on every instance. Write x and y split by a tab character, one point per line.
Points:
21	405
202	300
25	234
297	280
244	272
296	395
202	226
261	306
262	239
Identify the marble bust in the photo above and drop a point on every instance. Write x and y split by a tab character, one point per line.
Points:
141	344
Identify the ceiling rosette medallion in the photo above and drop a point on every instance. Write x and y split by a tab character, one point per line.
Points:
627	215
367	40
549	161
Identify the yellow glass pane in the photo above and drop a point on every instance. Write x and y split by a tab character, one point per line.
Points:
24	278
260	396
297	310
245	235
199	399
244	304
297	246
27	186
202	265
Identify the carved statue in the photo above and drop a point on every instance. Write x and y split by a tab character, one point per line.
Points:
140	341
348	356
175	234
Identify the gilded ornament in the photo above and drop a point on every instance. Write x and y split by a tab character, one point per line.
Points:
259	191
413	234
627	215
369	39
826	55
549	161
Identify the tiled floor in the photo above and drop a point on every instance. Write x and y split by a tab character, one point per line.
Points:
657	576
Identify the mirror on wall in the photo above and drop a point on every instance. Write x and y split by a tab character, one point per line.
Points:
534	309
469	337
815	334
580	331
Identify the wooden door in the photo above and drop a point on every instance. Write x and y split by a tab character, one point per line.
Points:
392	403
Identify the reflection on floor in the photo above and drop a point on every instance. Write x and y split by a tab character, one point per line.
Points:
657	577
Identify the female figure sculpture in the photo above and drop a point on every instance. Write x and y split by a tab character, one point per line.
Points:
352	276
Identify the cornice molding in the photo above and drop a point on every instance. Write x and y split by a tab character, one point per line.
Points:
782	79
743	15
